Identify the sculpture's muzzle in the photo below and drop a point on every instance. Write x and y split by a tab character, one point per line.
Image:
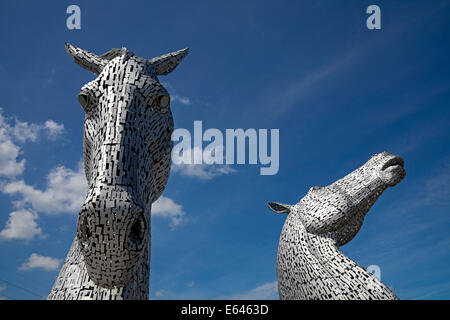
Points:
111	233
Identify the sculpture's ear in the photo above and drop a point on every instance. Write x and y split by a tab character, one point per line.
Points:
85	59
279	207
166	63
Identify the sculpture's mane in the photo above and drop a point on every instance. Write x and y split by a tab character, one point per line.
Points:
117	52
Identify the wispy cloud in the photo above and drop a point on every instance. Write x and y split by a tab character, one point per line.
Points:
266	291
176	97
36	261
430	291
182	100
314	80
410	142
204	171
2	287
413	235
437	187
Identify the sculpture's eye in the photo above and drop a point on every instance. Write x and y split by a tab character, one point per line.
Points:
159	103
86	98
164	101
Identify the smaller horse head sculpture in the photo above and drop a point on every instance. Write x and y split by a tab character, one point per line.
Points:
309	262
127	156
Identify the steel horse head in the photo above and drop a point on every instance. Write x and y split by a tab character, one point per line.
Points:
127	157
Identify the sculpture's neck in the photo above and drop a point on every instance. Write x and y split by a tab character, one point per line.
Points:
307	260
353	281
73	282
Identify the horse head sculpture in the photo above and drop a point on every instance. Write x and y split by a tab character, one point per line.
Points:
309	262
127	157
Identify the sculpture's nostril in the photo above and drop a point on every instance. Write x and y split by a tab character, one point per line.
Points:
84	233
137	233
137	230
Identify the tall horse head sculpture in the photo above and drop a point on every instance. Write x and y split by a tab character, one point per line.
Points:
127	157
309	262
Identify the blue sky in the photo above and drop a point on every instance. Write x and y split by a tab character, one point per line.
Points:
337	91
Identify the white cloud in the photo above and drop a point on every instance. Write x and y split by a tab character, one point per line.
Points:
54	129
64	193
267	291
10	166
42	262
165	207
23	131
21	224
